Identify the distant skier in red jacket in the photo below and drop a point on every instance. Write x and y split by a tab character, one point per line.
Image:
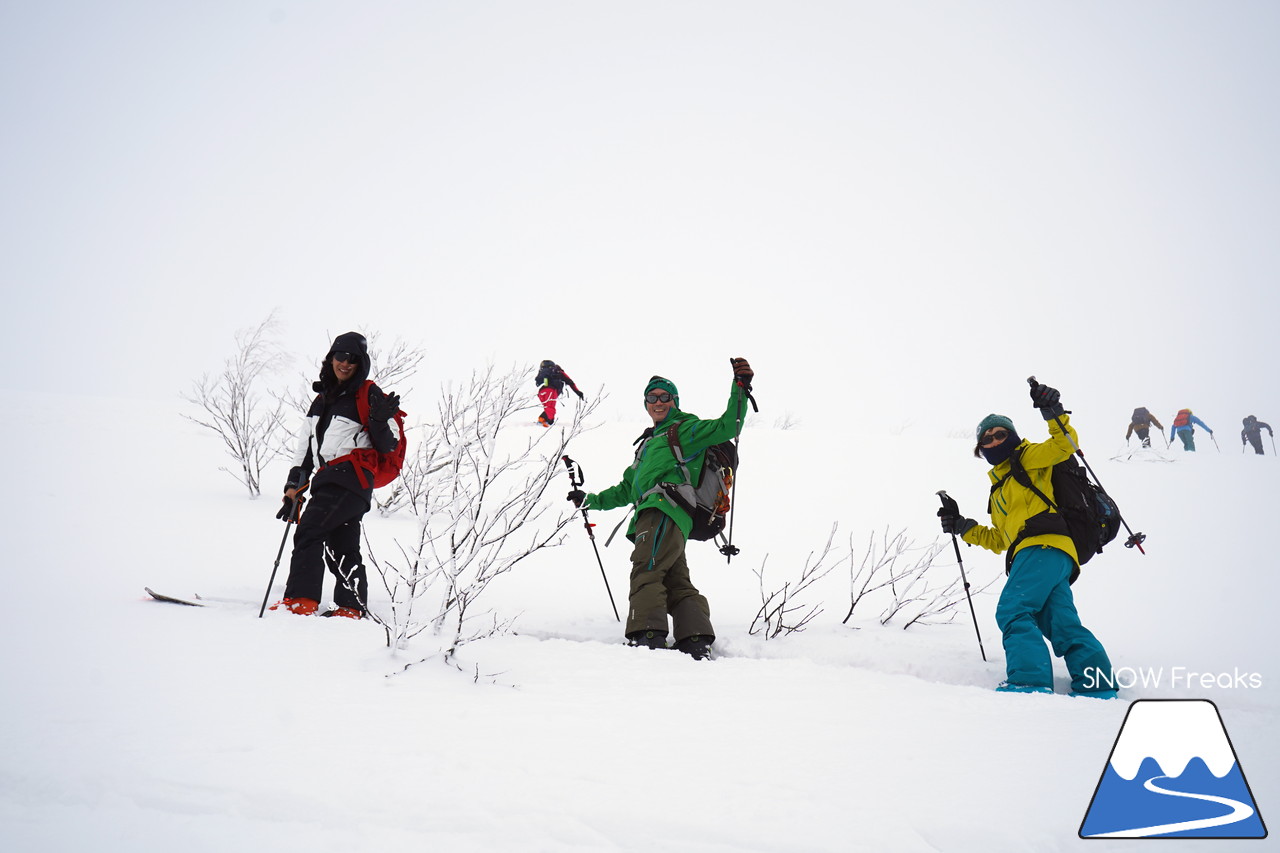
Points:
551	380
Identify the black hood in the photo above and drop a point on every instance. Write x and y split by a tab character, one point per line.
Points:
352	342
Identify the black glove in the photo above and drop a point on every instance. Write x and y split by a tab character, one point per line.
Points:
577	496
742	372
384	409
579	393
954	523
1045	399
297	478
288	512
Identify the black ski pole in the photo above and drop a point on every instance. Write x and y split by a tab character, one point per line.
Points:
729	549
294	512
576	479
955	543
1135	540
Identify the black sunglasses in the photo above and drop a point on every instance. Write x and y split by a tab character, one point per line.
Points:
347	357
657	398
993	437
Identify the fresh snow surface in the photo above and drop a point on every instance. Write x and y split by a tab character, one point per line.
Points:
131	725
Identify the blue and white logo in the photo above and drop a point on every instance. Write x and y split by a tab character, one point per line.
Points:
1173	773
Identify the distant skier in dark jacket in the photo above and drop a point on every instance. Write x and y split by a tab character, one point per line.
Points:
1140	422
551	380
329	530
1252	433
1184	427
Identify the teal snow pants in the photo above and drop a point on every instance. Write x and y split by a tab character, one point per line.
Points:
1037	605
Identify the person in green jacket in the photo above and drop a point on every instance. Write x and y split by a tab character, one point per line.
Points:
660	582
1036	603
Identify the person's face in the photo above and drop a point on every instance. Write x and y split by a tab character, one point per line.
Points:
657	403
344	365
994	437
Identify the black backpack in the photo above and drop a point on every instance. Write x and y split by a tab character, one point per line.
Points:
1083	510
707	501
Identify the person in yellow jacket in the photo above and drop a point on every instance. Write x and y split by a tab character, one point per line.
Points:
1036	603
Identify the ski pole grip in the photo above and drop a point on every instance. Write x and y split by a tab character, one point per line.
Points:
576	476
1031	380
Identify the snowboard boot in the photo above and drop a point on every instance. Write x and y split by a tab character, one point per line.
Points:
345	612
647	639
697	647
300	606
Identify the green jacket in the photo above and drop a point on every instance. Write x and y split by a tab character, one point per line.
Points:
655	463
1012	505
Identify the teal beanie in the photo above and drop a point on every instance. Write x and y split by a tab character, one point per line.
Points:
991	421
661	384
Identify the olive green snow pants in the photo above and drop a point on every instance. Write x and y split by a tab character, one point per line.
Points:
660	582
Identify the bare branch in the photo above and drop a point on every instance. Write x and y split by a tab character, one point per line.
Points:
252	428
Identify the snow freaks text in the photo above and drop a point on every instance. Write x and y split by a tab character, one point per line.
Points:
1175	677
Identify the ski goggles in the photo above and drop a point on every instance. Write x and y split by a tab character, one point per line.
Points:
346	357
993	438
657	398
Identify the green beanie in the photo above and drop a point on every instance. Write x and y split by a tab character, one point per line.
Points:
661	384
991	421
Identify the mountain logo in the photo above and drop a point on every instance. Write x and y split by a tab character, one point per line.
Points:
1173	773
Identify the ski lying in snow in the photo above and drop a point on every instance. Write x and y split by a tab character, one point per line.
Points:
170	599
197	600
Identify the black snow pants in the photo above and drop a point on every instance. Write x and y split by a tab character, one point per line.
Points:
329	536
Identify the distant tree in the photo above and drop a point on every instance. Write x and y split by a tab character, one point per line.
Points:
787	421
236	407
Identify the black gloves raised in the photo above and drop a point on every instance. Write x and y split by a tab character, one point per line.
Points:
383	409
742	372
1046	399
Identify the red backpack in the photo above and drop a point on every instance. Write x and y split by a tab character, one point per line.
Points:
383	468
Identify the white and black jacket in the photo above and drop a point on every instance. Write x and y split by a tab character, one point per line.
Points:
332	430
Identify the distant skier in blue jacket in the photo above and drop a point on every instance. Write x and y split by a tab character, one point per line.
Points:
1184	427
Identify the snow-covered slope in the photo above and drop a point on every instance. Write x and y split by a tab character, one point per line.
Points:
132	725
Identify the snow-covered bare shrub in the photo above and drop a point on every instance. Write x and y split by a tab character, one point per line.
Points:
781	610
786	421
240	410
478	484
921	591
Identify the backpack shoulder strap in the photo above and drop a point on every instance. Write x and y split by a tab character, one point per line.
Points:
1020	474
362	401
674	443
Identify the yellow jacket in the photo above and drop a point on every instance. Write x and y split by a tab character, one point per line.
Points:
1012	504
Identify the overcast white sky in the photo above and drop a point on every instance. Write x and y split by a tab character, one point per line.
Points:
900	208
